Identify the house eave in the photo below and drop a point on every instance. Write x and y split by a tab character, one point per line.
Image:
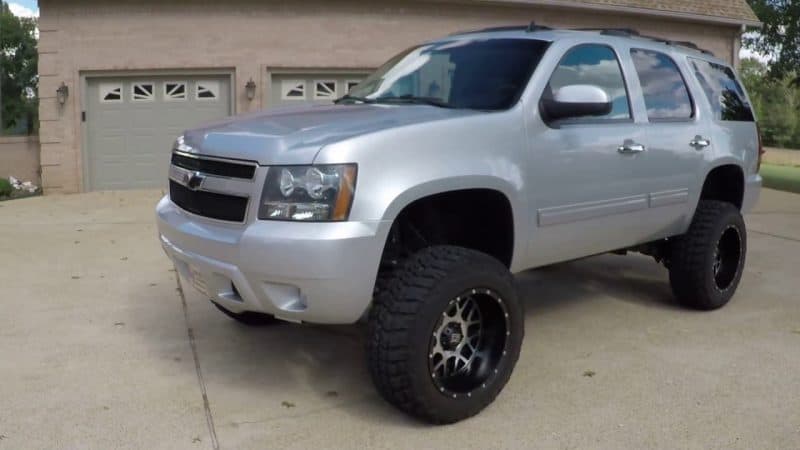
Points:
689	17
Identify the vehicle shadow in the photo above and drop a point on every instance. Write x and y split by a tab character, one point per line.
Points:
286	371
633	279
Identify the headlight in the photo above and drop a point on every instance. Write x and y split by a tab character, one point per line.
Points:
308	193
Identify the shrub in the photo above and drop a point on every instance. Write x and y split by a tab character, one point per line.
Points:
5	188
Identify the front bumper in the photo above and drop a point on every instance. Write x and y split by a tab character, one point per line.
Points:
300	272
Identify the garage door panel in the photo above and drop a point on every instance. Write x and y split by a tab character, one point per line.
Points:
129	136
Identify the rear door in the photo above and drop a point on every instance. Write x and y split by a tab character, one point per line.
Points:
677	139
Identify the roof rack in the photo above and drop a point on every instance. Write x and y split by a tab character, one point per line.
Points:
622	32
530	28
533	27
619	32
628	32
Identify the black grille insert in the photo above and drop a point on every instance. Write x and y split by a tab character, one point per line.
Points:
208	204
214	167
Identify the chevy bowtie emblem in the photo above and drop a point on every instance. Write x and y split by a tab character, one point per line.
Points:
193	180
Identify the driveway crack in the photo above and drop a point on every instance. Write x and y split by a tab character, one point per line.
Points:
206	406
777	236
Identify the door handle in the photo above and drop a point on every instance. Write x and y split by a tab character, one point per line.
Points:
630	148
700	142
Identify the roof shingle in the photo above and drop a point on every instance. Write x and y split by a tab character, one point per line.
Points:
730	11
727	9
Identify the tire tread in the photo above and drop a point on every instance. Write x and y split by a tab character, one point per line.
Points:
689	256
393	314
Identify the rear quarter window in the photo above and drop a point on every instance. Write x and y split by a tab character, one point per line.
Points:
723	91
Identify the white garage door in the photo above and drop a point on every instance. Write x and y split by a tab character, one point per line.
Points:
318	87
132	123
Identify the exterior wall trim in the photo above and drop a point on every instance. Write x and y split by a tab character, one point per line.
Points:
85	75
690	17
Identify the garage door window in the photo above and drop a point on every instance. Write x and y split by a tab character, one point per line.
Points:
324	90
174	91
207	90
143	92
350	84
293	90
110	92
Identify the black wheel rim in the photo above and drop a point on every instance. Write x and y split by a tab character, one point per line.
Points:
469	342
727	258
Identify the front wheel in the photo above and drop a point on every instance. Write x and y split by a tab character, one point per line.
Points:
707	262
445	335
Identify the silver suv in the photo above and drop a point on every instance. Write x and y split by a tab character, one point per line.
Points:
412	200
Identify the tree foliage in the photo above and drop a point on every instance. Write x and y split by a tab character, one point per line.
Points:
778	37
18	70
776	103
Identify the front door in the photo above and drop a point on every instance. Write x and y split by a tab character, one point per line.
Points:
584	196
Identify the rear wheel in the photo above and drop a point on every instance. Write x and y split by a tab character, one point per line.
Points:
249	318
707	262
445	334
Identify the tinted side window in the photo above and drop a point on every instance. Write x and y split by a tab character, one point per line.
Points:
665	93
723	91
596	65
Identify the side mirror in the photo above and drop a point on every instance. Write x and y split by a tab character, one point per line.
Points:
576	100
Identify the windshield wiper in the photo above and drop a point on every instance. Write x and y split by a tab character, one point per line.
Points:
353	98
413	99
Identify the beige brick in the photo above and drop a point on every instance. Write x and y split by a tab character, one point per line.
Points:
49	41
19	157
53	177
51	132
49	64
49	109
51	154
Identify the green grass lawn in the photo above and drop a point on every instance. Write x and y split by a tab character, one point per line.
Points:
783	178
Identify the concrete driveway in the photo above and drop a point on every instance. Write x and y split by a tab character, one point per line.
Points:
100	349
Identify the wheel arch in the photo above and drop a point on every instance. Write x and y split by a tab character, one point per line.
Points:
467	185
724	181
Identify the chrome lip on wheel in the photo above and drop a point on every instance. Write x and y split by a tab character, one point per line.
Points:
727	258
468	342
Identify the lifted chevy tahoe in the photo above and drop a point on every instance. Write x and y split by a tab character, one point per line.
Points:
413	199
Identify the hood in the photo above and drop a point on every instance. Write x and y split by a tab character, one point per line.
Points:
295	135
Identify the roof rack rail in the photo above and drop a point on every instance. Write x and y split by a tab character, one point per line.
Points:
691	45
629	32
533	27
672	43
622	32
530	28
492	29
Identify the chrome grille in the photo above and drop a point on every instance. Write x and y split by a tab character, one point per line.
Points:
212	187
214	166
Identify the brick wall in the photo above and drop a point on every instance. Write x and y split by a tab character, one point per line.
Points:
250	36
19	157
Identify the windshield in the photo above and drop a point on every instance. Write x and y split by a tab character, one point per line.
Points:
485	74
